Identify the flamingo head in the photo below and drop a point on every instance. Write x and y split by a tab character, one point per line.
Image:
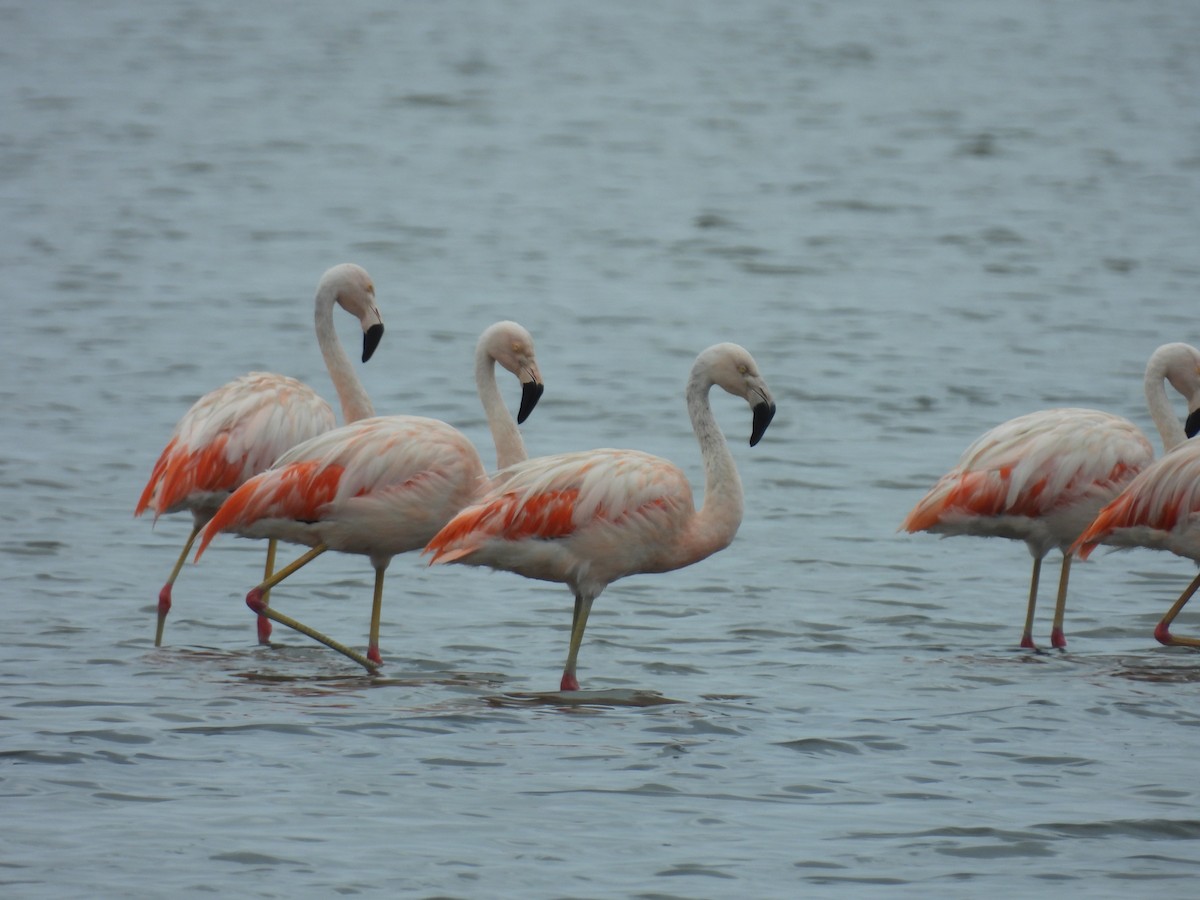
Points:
354	291
510	345
1179	363
732	368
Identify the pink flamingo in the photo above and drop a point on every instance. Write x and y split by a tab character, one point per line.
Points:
586	519
1160	509
239	429
1042	477
380	486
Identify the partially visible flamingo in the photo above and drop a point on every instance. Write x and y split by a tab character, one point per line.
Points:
1160	509
240	428
1042	477
380	486
586	519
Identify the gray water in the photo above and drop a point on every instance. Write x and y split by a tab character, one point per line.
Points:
922	219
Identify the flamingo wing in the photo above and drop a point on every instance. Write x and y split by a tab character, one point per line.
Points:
557	497
1034	465
232	433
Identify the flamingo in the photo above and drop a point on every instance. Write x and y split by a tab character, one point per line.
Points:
238	429
380	486
586	519
1042	477
1160	509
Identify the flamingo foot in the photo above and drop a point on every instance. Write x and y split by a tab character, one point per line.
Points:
264	628
1026	641
373	654
1057	639
569	682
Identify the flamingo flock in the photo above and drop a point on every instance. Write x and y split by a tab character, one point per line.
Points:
237	430
1043	477
261	457
380	486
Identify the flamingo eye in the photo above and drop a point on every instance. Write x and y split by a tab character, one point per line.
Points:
743	369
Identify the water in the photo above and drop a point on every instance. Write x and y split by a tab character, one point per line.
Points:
921	221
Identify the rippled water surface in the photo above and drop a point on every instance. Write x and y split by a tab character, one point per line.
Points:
922	219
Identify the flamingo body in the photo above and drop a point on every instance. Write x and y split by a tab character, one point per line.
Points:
383	485
376	487
1039	478
1160	510
587	519
229	435
584	518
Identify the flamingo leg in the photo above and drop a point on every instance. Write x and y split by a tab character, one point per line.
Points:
583	608
376	610
298	563
329	642
264	624
256	600
1162	632
164	596
1027	635
1057	638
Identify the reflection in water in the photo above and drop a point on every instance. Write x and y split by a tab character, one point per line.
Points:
1183	670
573	699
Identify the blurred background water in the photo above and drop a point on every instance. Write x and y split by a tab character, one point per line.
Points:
921	218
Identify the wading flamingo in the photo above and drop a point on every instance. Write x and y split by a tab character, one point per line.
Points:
240	428
586	519
1160	509
1041	478
380	486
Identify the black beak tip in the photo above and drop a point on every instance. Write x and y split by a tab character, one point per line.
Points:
763	414
1192	426
371	338
531	393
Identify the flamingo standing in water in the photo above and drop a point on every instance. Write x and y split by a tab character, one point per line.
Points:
380	486
240	428
1042	477
1160	509
586	519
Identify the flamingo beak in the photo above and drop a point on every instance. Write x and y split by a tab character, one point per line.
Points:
1192	425
371	340
531	393
763	414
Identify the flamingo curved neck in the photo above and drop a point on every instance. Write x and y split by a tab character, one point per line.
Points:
715	525
510	447
351	393
1169	427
